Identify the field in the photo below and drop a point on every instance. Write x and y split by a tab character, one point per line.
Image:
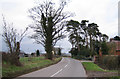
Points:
29	65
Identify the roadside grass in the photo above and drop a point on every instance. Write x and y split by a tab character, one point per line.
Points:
29	65
90	66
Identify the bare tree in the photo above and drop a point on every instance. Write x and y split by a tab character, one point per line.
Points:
13	40
49	24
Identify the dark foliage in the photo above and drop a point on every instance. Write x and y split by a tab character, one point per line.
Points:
84	53
86	38
117	38
109	62
32	54
73	52
59	51
26	55
38	53
11	58
104	48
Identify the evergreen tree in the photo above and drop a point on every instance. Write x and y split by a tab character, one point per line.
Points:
37	53
59	51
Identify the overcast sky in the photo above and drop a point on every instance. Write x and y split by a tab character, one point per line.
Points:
102	12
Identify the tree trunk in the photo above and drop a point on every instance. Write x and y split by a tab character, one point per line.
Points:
90	45
49	39
49	47
15	56
78	43
87	41
18	49
90	42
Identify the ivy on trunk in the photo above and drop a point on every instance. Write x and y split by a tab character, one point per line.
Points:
49	24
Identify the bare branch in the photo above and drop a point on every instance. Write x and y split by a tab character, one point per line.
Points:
11	37
49	23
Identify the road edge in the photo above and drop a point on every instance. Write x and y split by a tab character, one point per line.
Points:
19	73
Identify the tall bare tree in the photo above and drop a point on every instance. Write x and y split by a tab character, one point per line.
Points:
49	24
13	40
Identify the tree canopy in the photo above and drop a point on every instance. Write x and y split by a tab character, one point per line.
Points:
86	38
49	24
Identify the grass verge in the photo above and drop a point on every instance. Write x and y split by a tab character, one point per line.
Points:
29	65
94	70
90	66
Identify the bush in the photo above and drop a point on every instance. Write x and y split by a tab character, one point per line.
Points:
104	48
109	62
11	58
79	57
84	52
5	57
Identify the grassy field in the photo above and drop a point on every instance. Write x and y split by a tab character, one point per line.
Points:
29	64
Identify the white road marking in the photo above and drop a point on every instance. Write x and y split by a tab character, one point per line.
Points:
66	65
61	69
56	73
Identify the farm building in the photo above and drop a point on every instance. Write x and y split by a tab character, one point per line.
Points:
116	41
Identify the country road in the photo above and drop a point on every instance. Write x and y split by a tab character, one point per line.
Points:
67	67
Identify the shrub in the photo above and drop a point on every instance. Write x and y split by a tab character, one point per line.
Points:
111	47
11	58
80	57
104	48
84	52
109	62
5	57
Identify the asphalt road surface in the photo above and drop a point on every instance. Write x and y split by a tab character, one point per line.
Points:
67	67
